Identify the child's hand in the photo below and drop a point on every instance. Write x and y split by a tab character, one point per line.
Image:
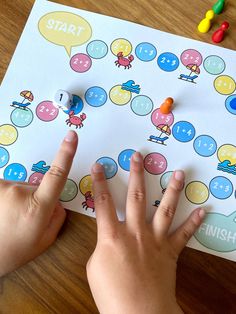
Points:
31	217
133	268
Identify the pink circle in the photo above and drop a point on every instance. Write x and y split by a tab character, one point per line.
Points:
80	62
36	178
155	163
158	118
46	111
191	56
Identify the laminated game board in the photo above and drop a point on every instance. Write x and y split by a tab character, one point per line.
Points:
119	73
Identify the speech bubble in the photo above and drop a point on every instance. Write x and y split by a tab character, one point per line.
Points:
65	29
218	232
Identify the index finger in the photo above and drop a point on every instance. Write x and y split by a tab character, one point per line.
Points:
55	178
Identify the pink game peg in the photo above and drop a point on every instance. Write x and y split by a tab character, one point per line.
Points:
218	35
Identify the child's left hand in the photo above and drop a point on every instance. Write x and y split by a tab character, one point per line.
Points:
30	216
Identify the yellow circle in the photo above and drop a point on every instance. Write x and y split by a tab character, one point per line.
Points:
85	184
225	84
8	134
121	45
227	152
119	96
197	192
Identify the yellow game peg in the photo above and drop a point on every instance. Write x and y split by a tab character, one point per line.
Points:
205	24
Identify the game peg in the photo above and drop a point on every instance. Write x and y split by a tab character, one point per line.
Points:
166	107
62	99
218	7
219	34
205	24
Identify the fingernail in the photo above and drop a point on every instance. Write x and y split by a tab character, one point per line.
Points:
202	213
70	136
137	157
179	175
97	168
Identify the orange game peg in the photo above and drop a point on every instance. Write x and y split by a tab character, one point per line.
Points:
166	107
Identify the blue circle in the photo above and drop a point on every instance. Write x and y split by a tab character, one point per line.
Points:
141	105
230	104
15	172
22	117
205	145
109	165
124	158
96	96
77	105
168	61
97	49
183	131
4	157
145	52
221	187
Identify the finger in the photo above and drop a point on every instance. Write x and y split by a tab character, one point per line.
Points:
166	211
182	235
104	207
136	197
54	180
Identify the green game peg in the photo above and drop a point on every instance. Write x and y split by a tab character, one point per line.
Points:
218	6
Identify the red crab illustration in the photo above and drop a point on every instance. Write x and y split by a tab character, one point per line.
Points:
77	121
89	201
125	62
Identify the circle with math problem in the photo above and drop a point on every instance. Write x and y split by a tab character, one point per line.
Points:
85	184
141	105
145	52
96	96
119	96
109	165
97	49
69	192
155	163
124	158
158	118
221	187
22	117
46	111
224	84
121	45
183	131
4	157
197	192
168	61
80	63
230	104
36	178
191	56
8	134
214	65
15	172
205	145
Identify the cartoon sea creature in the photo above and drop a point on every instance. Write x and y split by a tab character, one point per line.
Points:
131	87
89	201
40	167
122	61
194	69
77	121
26	95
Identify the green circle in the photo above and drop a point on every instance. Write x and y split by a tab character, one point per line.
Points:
69	192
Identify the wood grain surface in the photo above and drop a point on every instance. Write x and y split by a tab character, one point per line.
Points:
56	281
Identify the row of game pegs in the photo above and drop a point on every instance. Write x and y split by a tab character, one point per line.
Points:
205	24
63	100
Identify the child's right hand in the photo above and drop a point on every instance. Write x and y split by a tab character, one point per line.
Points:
133	268
31	217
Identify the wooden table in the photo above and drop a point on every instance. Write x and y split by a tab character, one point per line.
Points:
56	281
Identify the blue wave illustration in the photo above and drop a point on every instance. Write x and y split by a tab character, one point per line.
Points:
227	167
